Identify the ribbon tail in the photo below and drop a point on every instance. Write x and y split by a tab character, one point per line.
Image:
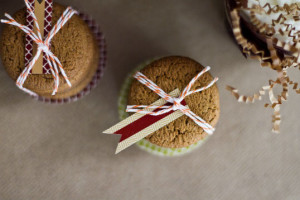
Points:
123	144
120	148
124	141
129	135
138	126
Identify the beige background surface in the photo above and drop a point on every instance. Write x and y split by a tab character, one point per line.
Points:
58	152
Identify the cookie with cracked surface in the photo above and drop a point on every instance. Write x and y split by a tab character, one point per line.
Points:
74	45
170	73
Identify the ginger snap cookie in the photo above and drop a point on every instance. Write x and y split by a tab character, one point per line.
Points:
75	46
169	73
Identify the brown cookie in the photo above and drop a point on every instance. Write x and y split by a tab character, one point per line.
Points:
170	73
74	45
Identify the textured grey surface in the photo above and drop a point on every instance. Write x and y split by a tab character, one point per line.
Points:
57	152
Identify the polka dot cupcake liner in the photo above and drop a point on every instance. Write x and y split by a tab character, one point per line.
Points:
145	144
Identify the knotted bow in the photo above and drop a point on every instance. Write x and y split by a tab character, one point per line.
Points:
159	110
42	46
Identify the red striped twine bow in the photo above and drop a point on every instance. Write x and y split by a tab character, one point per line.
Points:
43	46
176	102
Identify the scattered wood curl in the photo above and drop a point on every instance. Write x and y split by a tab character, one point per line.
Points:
280	64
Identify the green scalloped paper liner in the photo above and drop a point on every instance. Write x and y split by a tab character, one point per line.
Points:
145	144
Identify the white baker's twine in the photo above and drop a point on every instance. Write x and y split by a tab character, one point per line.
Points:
143	109
42	46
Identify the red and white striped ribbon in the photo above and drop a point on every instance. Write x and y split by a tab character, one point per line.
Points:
175	101
43	46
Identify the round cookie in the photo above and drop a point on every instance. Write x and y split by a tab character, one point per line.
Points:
170	73
74	45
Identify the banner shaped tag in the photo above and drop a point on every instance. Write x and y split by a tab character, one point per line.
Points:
138	126
43	11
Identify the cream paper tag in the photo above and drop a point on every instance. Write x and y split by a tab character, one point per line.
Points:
148	130
39	11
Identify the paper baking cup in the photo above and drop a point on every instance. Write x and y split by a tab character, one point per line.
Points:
145	144
101	65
